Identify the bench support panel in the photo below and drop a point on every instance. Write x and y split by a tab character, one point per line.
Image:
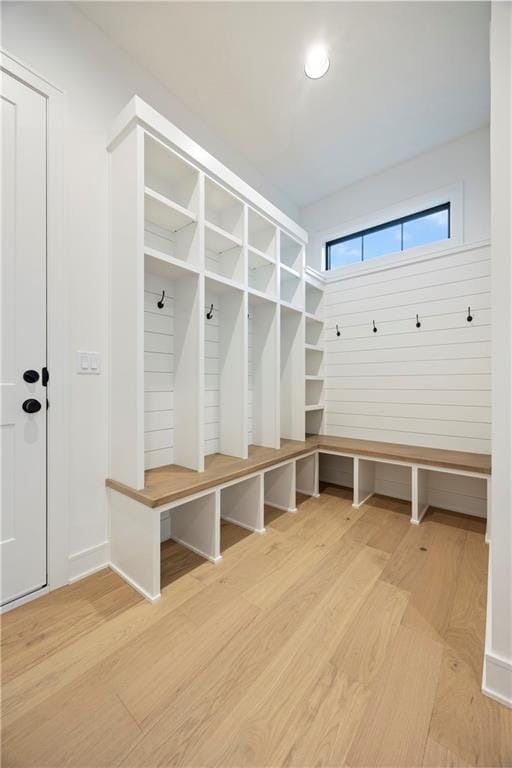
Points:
280	487
196	525
135	544
306	474
242	504
364	481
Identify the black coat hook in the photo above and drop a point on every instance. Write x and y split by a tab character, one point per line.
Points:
469	318
374	327
160	304
338	332
418	324
209	314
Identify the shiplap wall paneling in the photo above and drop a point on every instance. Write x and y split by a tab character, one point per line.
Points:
263	380
225	412
172	204
292	374
126	398
224	233
242	504
424	386
335	469
279	485
158	369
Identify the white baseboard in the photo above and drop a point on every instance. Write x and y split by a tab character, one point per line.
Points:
132	583
88	561
25	599
497	679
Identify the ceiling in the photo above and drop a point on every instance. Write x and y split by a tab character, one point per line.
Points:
404	77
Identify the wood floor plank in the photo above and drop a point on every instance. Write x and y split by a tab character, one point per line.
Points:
466	722
251	733
339	638
434	590
395	724
364	647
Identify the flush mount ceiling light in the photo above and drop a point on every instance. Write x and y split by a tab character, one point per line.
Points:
317	62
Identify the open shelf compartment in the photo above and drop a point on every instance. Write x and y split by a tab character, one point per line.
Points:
262	234
291	253
262	274
314	296
291	289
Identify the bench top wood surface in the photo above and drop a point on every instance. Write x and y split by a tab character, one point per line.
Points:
166	484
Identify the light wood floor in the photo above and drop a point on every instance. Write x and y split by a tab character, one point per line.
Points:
340	638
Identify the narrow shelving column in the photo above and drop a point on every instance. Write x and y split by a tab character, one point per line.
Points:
225	414
292	374
263	379
314	355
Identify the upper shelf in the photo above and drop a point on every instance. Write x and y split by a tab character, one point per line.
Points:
165	212
224	211
218	239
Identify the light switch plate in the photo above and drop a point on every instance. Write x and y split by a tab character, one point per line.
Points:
88	362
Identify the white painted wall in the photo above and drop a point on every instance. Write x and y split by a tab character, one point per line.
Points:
464	160
497	679
58	42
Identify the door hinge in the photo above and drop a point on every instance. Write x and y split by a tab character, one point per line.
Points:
45	376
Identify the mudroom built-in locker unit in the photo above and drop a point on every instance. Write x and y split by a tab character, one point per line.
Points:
218	365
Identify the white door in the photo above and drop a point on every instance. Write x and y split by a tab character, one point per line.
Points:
23	340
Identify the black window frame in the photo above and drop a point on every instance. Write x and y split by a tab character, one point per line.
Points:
370	230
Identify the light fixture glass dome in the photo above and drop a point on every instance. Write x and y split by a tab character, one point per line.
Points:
317	62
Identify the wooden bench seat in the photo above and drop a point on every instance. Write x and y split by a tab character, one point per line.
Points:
169	483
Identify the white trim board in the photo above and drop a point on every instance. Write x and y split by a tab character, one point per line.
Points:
57	314
88	561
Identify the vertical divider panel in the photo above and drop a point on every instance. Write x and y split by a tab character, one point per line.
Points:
126	318
242	504
292	367
188	378
265	373
364	480
196	525
306	471
280	487
419	494
233	374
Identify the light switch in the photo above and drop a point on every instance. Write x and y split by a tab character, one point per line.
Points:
88	362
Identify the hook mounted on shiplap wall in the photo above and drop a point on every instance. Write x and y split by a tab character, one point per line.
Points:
338	332
469	318
374	327
418	324
209	314
160	304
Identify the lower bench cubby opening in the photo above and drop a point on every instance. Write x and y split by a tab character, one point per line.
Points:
306	473
450	491
242	504
194	526
378	477
334	469
279	488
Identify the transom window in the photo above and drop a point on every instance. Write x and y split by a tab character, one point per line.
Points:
420	228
